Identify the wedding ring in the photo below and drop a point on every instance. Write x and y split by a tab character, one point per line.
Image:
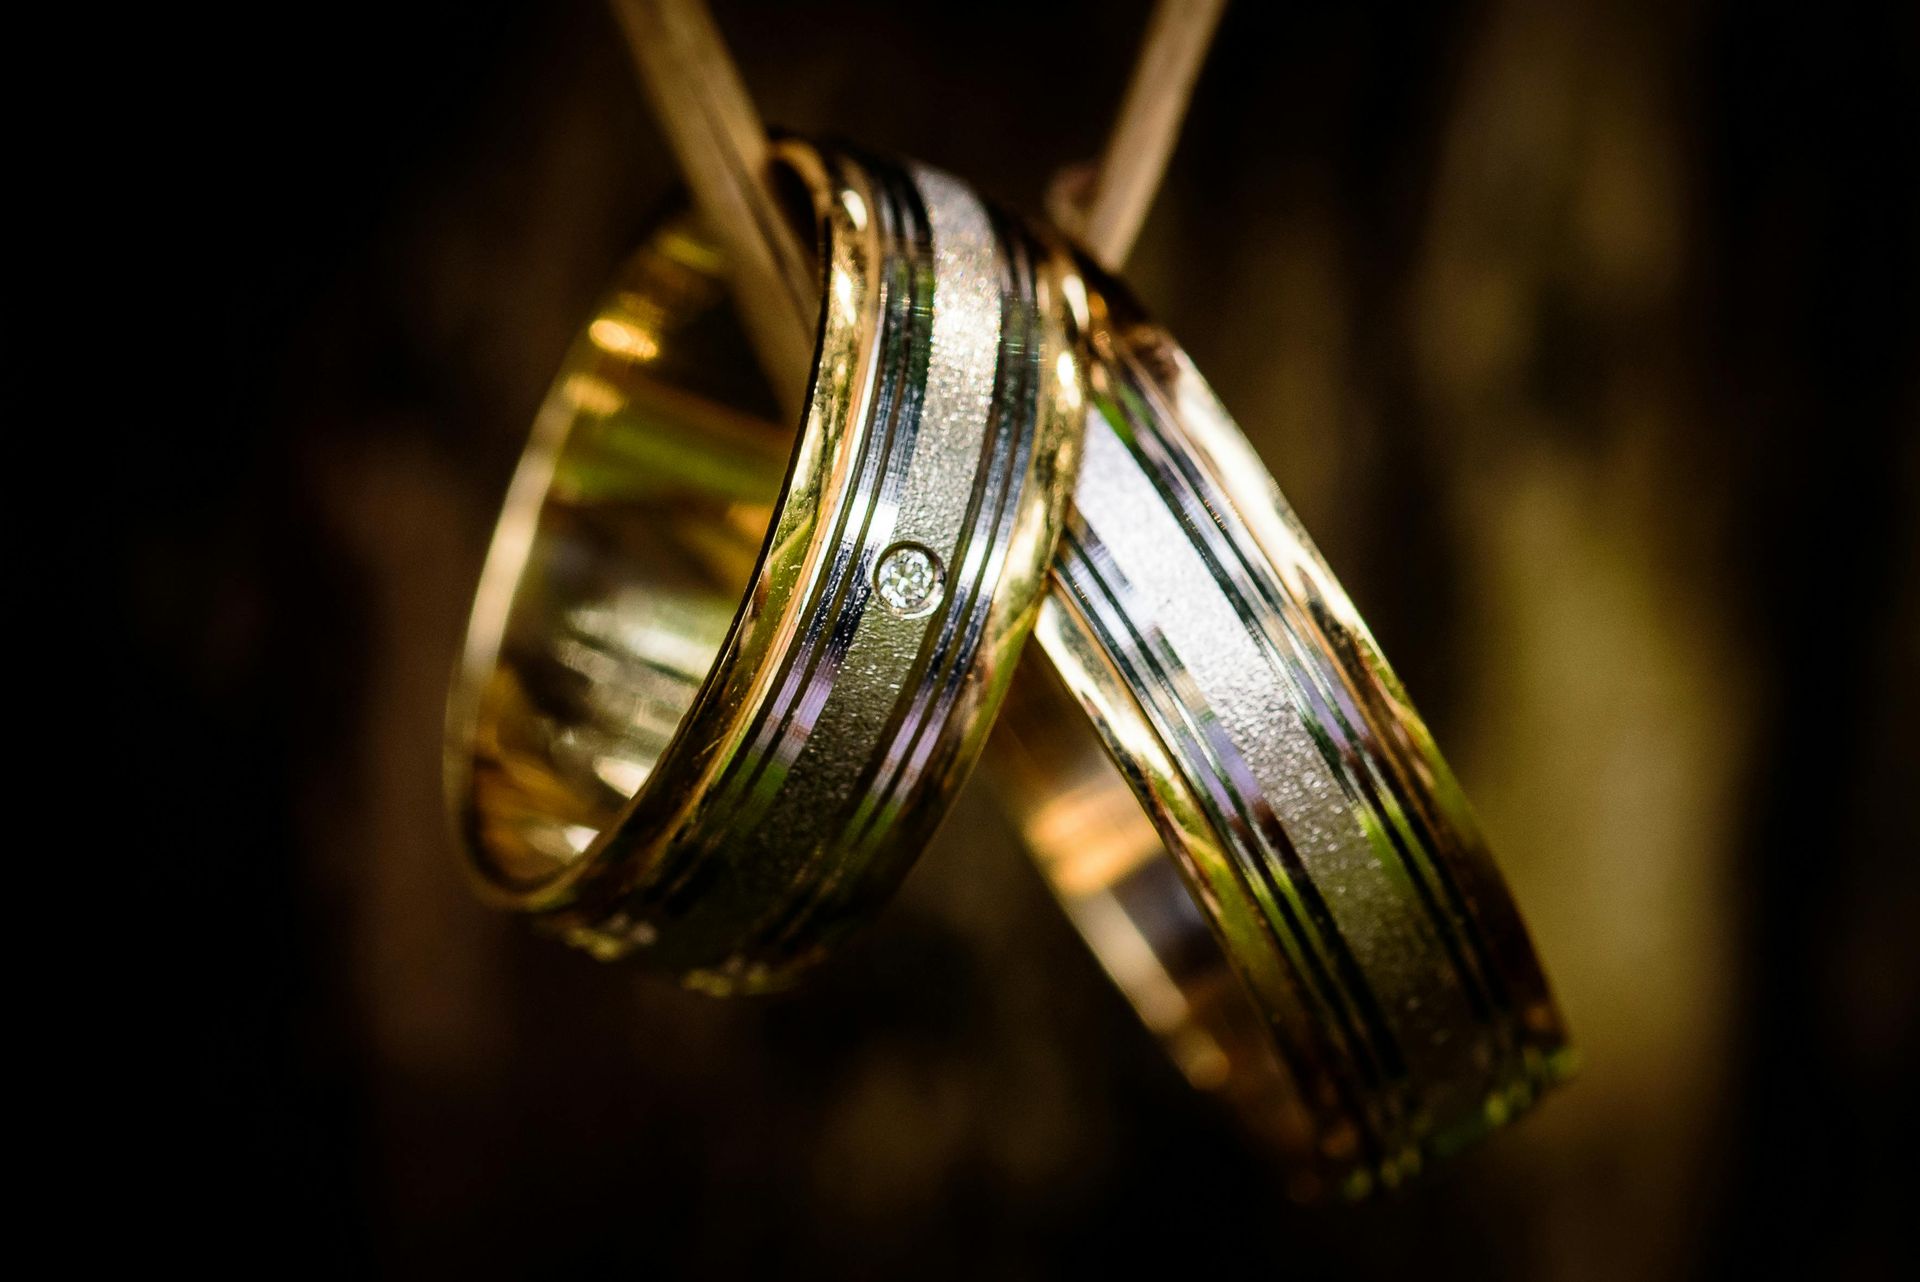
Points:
1329	944
721	682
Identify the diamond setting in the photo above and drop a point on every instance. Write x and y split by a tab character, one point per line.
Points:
908	580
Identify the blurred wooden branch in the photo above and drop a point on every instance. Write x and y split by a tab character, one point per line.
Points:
721	146
1135	160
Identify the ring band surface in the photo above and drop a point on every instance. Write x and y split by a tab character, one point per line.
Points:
720	683
1325	863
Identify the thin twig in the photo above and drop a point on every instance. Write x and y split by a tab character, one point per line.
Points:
1147	127
721	147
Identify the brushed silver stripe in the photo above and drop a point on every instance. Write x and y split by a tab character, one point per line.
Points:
1252	698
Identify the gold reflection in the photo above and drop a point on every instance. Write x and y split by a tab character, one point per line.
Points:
625	583
623	338
593	395
1094	835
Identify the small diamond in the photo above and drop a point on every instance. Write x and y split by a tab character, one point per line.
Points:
908	579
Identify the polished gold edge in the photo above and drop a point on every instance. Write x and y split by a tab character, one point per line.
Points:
840	713
1336	864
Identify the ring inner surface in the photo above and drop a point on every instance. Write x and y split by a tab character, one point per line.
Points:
628	543
1107	861
1247	708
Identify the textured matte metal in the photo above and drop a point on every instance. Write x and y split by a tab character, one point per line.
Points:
1330	868
725	797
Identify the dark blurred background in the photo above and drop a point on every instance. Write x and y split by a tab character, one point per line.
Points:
1581	334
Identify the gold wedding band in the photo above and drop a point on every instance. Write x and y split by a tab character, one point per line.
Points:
720	683
1324	862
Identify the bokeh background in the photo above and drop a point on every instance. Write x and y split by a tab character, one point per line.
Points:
1582	335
